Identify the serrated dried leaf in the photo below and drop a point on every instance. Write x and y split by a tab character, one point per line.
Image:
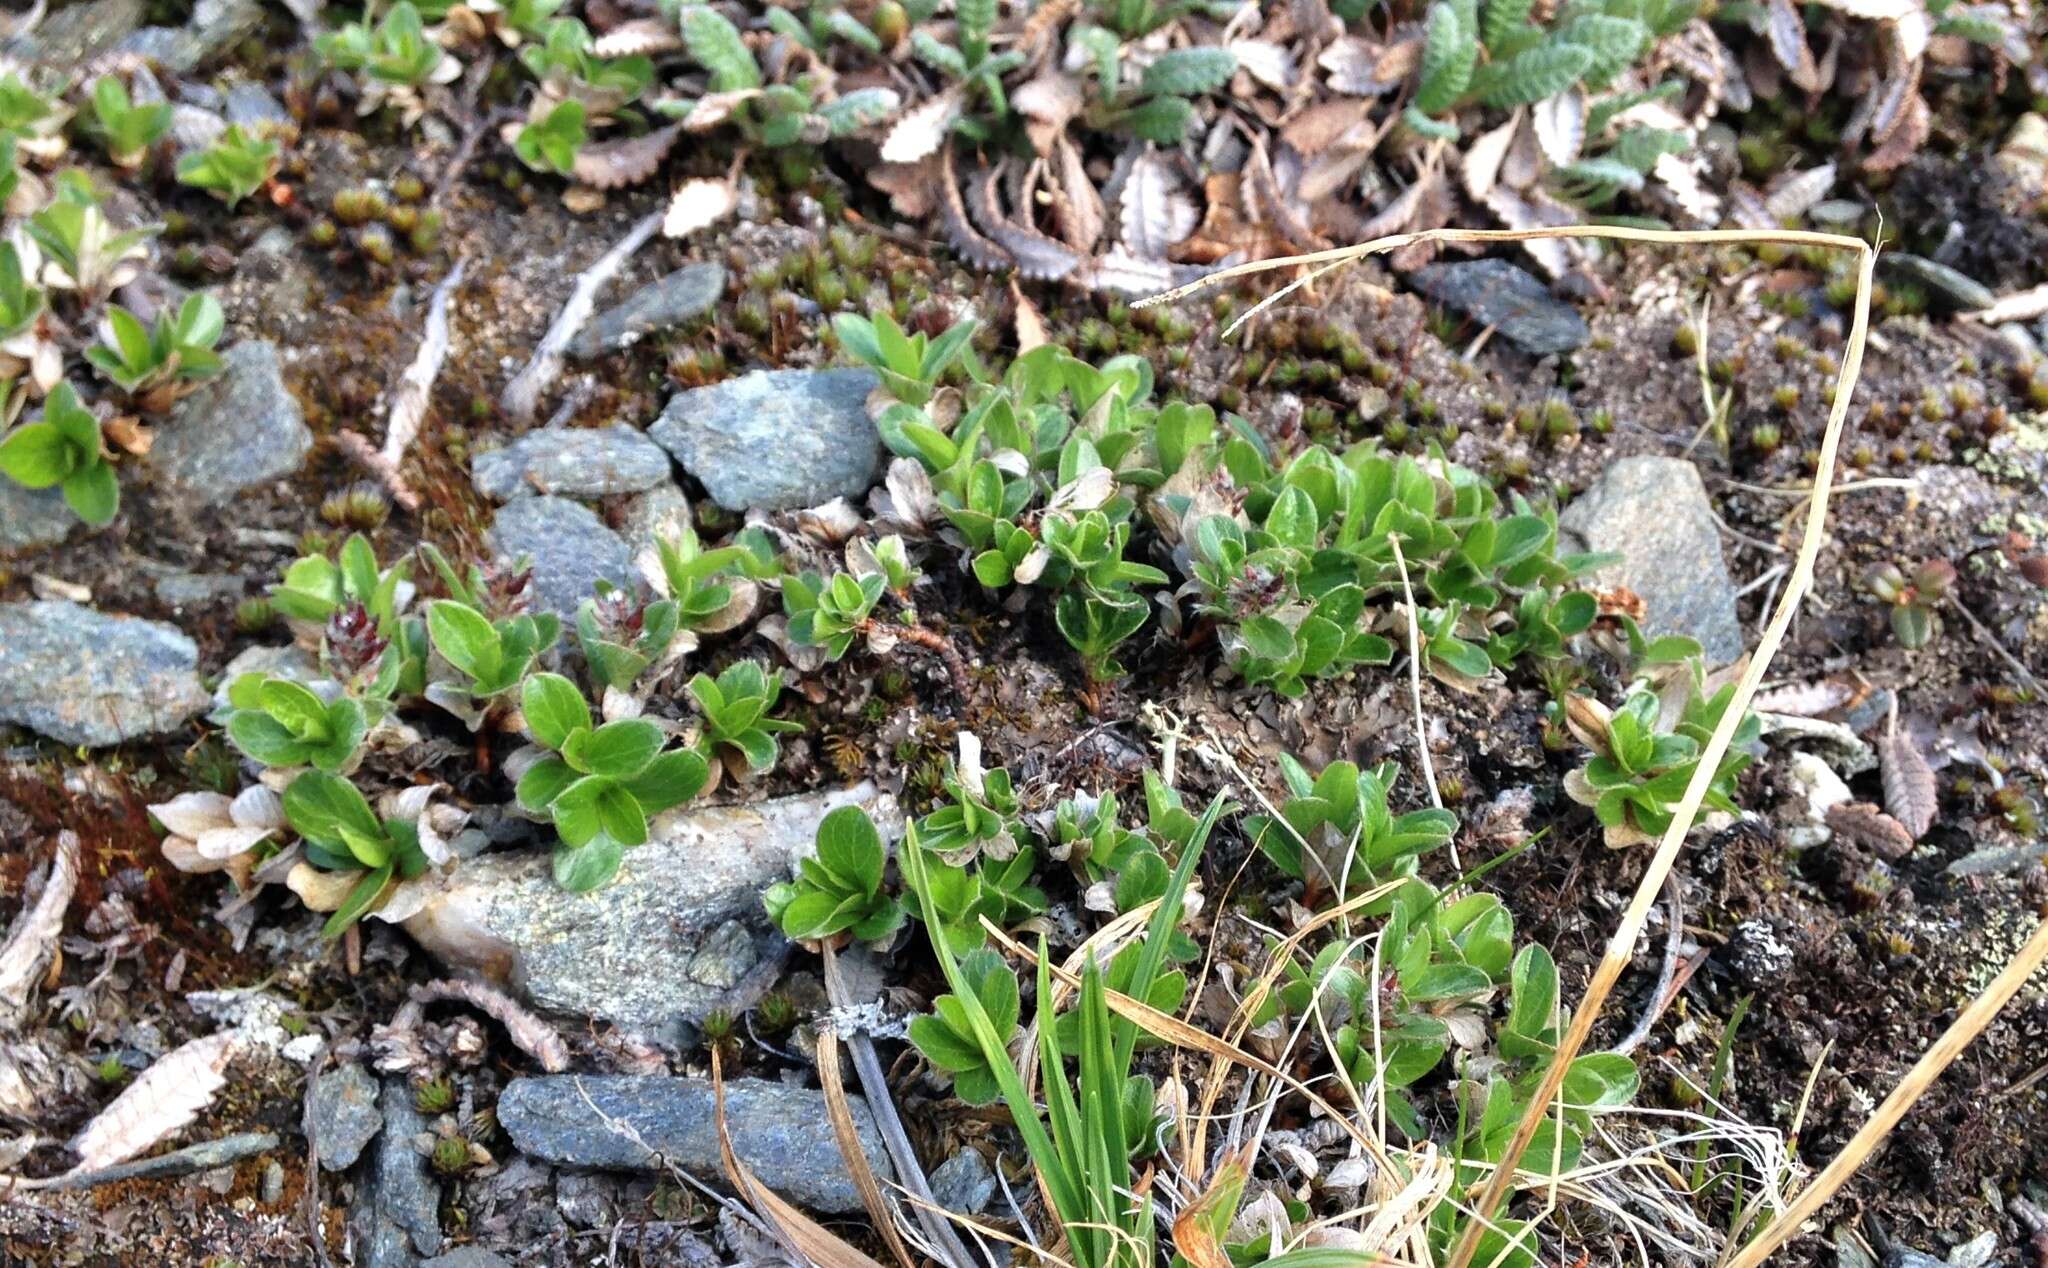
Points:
1361	68
1481	166
969	242
1890	103
617	164
638	37
1398	214
909	186
715	108
1048	103
1155	211
1523	165
1865	825
34	936
1800	193
1905	140
1786	31
1036	255
165	1097
2018	306
1805	699
920	132
1120	271
1323	125
1559	122
1077	206
695	204
1517	211
1680	176
1269	63
1909	791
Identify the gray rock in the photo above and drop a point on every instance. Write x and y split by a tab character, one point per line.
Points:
578	462
396	1215
467	1257
86	677
342	1115
215	24
783	1133
252	108
1654	513
178	589
663	303
290	661
963	1184
776	439
1499	294
587	1199
689	900
237	431
653	516
1952	288
570	547
78	33
32	518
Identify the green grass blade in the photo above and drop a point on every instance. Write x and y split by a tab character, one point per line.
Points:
1153	954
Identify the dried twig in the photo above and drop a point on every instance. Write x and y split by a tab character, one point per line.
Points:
522	395
1660	995
179	1162
34	937
409	399
535	1037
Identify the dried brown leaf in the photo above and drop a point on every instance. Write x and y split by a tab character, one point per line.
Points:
1681	176
1031	332
715	108
1048	103
1909	791
165	1097
1864	824
617	164
1269	63
909	186
1323	125
1481	166
920	132
34	936
1786	31
1905	140
1036	255
979	251
638	37
1077	205
1559	122
696	204
1800	193
1155	211
1362	68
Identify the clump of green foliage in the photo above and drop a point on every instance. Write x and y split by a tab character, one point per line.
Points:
64	451
1914	597
233	167
838	889
144	362
1646	752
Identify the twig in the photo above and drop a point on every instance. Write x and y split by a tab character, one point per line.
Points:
1925	1071
1415	690
179	1162
1660	997
534	1036
522	395
867	1068
409	399
35	932
1984	632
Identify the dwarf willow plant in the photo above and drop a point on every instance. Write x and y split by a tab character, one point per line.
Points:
63	451
126	128
140	360
737	727
599	784
1337	832
838	888
339	832
1639	771
1098	1124
278	722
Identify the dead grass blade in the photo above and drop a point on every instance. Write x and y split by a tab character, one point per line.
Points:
1620	947
800	1234
1197	1229
843	1130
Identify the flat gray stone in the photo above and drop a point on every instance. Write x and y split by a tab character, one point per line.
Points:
666	302
467	1257
396	1215
587	462
1654	513
570	547
178	589
86	677
776	439
1951	288
342	1115
652	517
32	518
963	1184
73	34
237	431
783	1133
689	901
1499	294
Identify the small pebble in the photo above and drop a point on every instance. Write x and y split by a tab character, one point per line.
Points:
273	1183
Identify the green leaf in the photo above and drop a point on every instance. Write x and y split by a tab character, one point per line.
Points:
361	900
93	493
620	815
266	740
553	708
718	48
582	869
1613	42
302	713
1501	17
329	810
465	639
543	782
575	812
37	456
1449	52
1188	72
669	780
1533	983
851	849
620	749
1537	73
1161	120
